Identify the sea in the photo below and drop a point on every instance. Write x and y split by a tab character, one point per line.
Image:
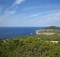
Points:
12	32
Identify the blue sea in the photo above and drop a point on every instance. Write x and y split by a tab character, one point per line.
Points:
11	32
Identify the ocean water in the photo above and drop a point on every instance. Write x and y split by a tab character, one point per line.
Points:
11	32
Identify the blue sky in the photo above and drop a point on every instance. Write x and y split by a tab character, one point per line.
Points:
21	13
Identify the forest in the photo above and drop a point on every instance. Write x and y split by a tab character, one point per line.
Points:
30	46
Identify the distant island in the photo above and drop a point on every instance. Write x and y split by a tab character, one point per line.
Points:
51	30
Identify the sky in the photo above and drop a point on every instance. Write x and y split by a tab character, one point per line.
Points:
29	13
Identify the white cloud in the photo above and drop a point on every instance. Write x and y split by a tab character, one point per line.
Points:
12	8
33	15
8	13
29	8
50	19
43	14
18	2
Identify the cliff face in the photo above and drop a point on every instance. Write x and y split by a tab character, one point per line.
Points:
44	32
48	31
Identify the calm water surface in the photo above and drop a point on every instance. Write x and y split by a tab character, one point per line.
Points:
9	32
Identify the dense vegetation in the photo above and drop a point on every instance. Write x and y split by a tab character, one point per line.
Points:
30	46
52	27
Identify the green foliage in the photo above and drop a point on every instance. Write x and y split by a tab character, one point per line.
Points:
30	46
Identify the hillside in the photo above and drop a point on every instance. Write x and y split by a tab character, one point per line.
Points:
52	30
52	27
30	46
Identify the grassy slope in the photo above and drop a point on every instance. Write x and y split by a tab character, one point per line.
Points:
30	46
